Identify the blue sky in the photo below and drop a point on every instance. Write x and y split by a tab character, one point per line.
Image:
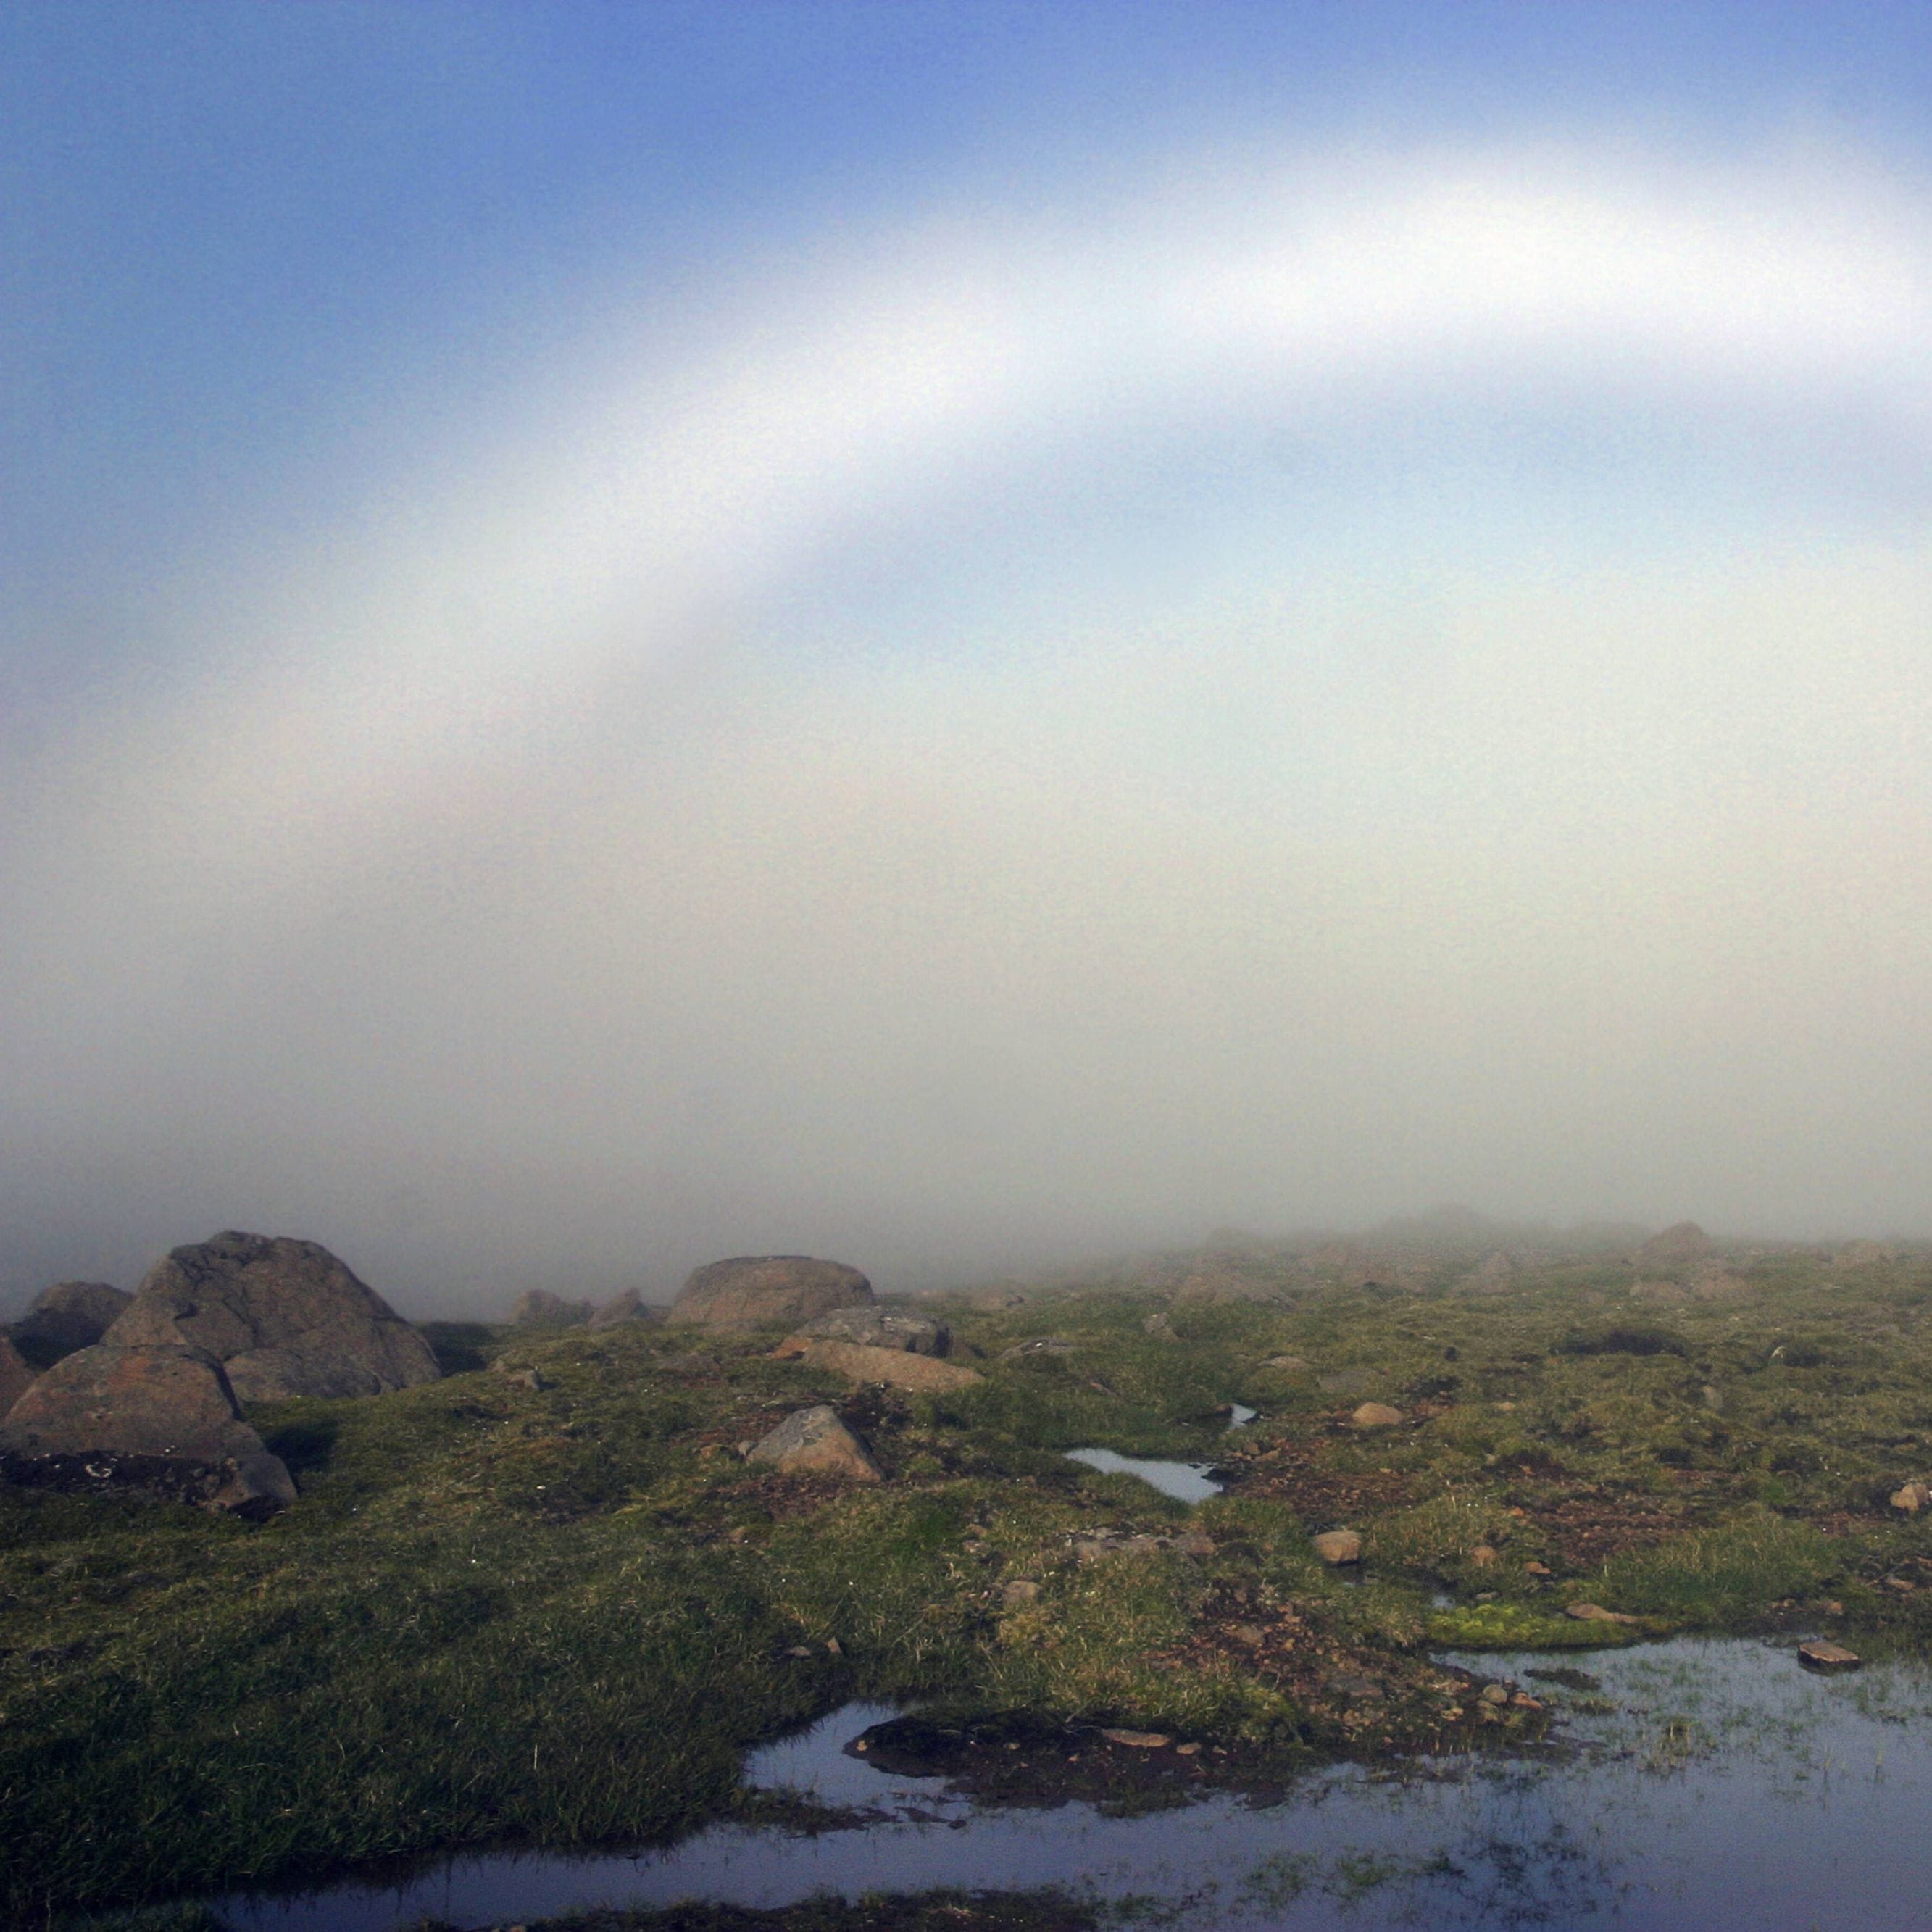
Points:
1326	599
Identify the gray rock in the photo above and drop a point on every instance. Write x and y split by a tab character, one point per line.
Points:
751	1290
140	1406
283	1317
879	1328
71	1315
815	1440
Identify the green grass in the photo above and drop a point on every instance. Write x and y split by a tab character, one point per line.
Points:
560	1615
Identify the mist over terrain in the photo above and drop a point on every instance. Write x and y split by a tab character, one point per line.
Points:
1314	668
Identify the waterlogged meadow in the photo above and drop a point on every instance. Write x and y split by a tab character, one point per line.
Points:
551	1614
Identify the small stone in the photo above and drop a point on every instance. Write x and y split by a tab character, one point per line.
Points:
1186	1751
798	1650
1533	1568
1249	1634
833	1648
1818	1655
1376	1415
1523	1701
1339	1546
1021	1590
1595	1613
1484	1556
1138	1740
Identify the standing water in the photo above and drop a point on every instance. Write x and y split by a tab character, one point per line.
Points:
1699	1783
1185	1482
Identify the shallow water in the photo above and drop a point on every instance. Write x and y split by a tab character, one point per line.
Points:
1724	1788
1185	1482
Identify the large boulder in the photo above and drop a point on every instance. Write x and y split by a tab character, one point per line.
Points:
17	1373
283	1317
1678	1245
752	1290
162	1418
71	1315
540	1309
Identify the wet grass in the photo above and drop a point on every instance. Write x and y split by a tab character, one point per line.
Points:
559	1614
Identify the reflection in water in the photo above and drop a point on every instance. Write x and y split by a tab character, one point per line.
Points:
1185	1482
1711	1783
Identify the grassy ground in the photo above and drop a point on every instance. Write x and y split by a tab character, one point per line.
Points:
559	1614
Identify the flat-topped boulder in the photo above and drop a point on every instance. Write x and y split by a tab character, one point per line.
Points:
896	1368
872	1328
71	1315
16	1375
283	1317
750	1290
161	1417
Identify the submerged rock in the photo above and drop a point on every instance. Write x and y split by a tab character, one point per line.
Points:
71	1315
16	1375
1819	1655
814	1440
751	1290
283	1317
123	1410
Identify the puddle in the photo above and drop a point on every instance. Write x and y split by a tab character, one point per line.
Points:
1713	1784
1185	1482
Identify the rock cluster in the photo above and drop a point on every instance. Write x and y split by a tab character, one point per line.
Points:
153	1401
753	1290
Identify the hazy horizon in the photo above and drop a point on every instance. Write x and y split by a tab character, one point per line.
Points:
958	636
